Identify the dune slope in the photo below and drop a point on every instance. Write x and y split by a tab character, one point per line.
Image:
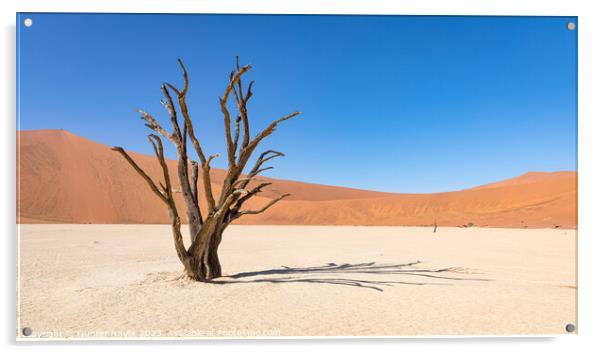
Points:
63	178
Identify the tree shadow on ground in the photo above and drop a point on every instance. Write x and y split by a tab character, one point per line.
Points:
436	276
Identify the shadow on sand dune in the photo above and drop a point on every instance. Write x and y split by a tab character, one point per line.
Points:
438	276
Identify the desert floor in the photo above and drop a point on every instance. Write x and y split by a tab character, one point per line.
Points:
124	280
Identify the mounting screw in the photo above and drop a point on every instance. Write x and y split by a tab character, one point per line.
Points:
570	26
26	331
570	328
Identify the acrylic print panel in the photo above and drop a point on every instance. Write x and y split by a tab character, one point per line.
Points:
427	188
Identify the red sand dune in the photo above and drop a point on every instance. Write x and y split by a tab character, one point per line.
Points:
63	178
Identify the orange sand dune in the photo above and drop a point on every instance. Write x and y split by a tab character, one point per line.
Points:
63	178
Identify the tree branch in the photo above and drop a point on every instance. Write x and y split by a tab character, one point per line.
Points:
185	76
241	104
141	172
227	124
248	150
195	177
189	128
153	125
194	213
167	197
229	200
270	128
262	170
262	158
236	132
258	189
266	207
158	147
239	82
207	183
245	119
235	216
260	161
169	106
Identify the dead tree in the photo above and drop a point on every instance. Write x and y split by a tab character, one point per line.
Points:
200	260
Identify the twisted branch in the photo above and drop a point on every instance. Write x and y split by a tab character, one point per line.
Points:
166	196
264	157
141	172
152	124
195	142
258	211
234	78
195	177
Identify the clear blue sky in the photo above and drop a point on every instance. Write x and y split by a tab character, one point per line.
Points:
405	104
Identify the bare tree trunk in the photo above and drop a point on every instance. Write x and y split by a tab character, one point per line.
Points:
211	259
206	264
201	260
193	212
